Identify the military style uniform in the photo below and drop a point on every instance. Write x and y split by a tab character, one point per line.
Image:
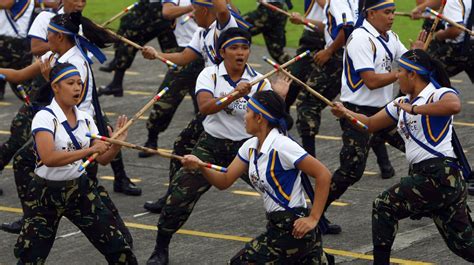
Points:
180	81
434	186
282	181
64	191
310	40
14	46
272	25
223	135
457	55
142	24
365	50
324	79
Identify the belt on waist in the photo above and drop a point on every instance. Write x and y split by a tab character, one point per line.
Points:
281	215
432	161
57	183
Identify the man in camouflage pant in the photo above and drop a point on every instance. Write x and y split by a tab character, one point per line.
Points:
433	188
14	53
267	248
142	24
456	58
79	201
272	25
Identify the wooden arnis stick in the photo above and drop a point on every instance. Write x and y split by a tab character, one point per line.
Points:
129	123
315	93
123	12
152	151
235	93
139	47
276	9
450	21
433	27
406	14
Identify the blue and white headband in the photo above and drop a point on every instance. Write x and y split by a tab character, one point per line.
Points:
258	108
82	43
64	74
412	66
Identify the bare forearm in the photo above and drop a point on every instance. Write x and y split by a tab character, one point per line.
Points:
439	108
320	195
171	11
448	34
39	47
376	81
222	13
108	156
62	158
217	179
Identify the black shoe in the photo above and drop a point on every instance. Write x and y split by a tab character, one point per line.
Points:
1	192
127	187
155	207
470	187
333	229
116	91
159	257
149	144
13	227
108	68
387	172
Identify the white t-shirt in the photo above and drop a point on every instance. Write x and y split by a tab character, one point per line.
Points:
46	121
333	20
313	11
204	41
75	57
229	122
367	50
274	170
458	11
183	31
433	131
39	27
14	22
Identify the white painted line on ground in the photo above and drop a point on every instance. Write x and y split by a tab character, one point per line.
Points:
5	103
140	214
68	235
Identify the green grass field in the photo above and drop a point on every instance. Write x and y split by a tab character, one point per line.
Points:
101	10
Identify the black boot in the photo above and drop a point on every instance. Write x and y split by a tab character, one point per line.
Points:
2	88
333	229
155	207
124	185
309	144
115	87
381	256
150	143
108	68
13	227
160	255
380	150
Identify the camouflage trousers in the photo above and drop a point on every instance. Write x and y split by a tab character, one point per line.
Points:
326	80
354	151
454	59
278	246
80	202
433	188
272	25
314	42
142	24
14	53
20	132
180	83
187	187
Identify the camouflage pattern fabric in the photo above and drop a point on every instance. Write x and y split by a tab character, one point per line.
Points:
180	82
20	132
14	53
272	25
278	246
326	80
142	24
81	204
314	42
432	188
354	152
454	58
186	187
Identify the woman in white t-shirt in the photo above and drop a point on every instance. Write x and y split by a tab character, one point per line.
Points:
434	186
58	188
275	163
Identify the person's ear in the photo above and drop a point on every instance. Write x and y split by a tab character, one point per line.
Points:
55	88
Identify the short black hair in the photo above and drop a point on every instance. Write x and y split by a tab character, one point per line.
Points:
274	104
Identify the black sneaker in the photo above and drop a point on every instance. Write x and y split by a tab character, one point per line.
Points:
13	227
159	257
149	144
126	186
333	229
387	172
155	207
116	91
